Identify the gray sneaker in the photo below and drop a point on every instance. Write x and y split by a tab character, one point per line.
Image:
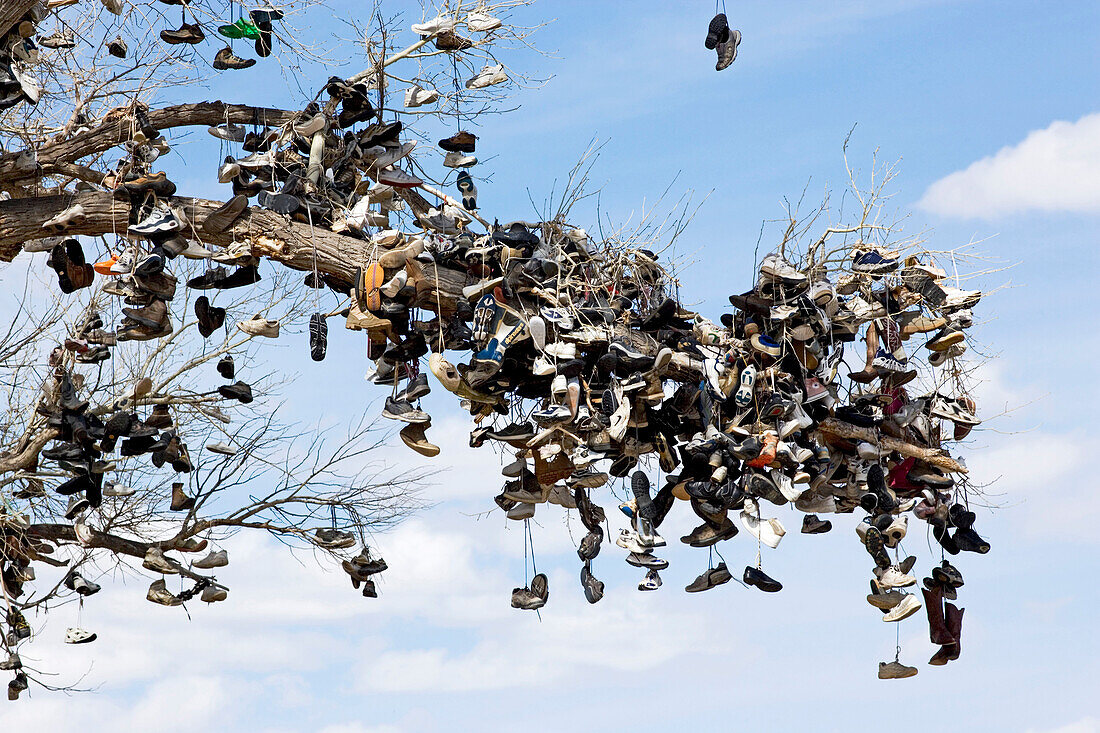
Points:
593	589
213	594
895	670
217	559
727	51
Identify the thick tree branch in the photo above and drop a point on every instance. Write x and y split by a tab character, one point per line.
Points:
117	128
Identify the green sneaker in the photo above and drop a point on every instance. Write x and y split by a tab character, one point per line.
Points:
241	28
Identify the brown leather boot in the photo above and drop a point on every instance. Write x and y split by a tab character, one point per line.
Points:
950	652
937	624
868	373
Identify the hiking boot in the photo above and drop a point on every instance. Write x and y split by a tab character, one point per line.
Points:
158	593
226	59
811	524
460	142
156	561
180	501
413	435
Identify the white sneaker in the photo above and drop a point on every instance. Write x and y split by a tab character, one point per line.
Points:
785	485
114	488
768	531
439	24
481	22
392	155
487	77
455	159
778	268
892	577
906	608
399	178
628	540
543	367
258	326
416	96
75	635
562	350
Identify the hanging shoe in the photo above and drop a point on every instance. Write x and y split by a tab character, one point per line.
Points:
226	59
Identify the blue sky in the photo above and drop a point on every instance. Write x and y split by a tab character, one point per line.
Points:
985	105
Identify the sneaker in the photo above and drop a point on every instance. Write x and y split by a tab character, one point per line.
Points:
404	412
416	96
333	539
727	50
646	560
892	577
213	594
533	597
480	21
593	588
217	559
75	635
895	670
652	581
711	578
487	77
904	609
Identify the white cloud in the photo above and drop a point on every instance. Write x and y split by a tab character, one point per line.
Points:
1054	169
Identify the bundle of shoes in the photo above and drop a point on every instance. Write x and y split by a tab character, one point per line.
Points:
17	52
580	355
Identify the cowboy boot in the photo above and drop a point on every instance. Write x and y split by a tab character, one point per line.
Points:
937	624
868	374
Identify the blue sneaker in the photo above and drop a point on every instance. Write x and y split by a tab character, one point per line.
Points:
871	262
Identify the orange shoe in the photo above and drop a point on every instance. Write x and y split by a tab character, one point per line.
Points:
104	267
767	453
370	288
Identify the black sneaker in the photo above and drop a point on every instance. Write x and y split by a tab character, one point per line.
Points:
209	279
241	276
